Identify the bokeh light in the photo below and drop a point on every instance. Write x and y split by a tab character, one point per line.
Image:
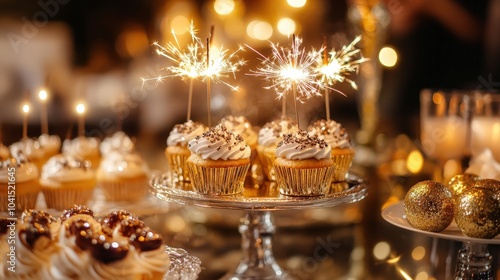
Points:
42	95
80	108
296	3
418	253
180	24
381	250
415	161
26	108
286	26
224	7
388	57
259	30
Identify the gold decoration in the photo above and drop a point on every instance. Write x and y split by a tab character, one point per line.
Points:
487	183
461	182
477	212
428	206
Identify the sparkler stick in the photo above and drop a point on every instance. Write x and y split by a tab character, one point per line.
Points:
208	83
327	96
294	83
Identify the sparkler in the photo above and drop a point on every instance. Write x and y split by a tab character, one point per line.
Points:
290	70
334	67
188	63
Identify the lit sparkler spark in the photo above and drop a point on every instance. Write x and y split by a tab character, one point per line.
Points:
188	64
222	64
290	67
339	64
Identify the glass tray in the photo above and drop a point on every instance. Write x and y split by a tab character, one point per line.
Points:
264	197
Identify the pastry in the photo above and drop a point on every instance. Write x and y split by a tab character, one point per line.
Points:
342	153
303	165
219	162
66	181
19	179
83	148
269	137
177	151
123	176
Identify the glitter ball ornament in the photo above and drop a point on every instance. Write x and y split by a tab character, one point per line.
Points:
487	183
428	206
461	182
477	212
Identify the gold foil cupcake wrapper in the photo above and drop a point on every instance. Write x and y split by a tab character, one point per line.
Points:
124	191
341	164
303	182
267	160
23	201
177	164
218	180
61	199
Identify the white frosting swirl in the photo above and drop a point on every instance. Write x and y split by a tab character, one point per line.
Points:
301	145
332	132
152	261
119	141
81	147
28	147
122	269
24	170
241	126
51	143
64	168
220	143
272	132
121	165
181	134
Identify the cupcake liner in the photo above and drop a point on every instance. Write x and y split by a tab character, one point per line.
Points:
61	199
127	190
23	201
341	162
267	161
303	181
218	180
177	164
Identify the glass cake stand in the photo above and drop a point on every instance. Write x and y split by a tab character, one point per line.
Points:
473	261
257	226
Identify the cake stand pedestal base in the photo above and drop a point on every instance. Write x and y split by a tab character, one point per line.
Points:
474	262
257	231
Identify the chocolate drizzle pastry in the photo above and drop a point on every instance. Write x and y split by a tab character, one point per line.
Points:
77	209
145	239
37	226
113	219
303	140
107	250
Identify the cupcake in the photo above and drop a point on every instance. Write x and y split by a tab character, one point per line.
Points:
31	149
342	152
66	181
123	176
219	162
303	165
177	151
19	178
269	137
84	148
51	144
119	141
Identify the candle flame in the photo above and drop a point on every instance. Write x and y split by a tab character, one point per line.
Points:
26	108
287	67
43	95
80	108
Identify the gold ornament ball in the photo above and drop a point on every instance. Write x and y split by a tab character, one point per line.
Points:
461	182
428	206
477	212
487	183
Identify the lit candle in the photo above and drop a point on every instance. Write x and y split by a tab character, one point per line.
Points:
26	110
42	95
485	135
444	137
80	110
